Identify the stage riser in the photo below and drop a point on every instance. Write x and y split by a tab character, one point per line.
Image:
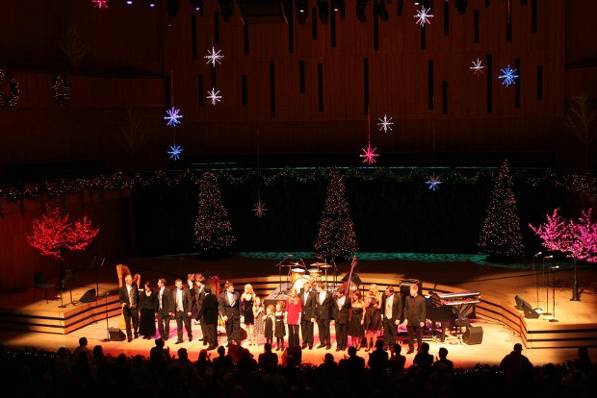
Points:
490	308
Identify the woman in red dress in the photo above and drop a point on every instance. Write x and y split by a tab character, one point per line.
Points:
293	316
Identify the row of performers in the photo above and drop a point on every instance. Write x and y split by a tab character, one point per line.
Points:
360	317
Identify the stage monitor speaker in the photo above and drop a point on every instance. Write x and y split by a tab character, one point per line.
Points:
525	307
116	334
473	335
88	296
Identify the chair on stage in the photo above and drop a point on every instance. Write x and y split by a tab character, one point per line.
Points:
40	282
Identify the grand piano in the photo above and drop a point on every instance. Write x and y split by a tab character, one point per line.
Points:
451	309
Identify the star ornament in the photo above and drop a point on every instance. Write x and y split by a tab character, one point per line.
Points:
100	4
214	57
433	183
214	96
369	154
385	123
477	67
175	151
508	76
259	209
423	16
173	117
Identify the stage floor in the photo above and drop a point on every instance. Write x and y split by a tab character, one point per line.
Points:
497	342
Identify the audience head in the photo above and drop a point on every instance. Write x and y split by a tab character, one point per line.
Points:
159	343
379	345
221	351
397	349
83	342
183	355
328	358
425	348
161	283
583	352
98	352
443	353
267	347
518	348
352	351
203	355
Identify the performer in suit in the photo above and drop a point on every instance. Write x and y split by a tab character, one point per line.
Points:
209	320
129	299
391	312
415	314
183	304
340	311
323	313
309	302
165	310
229	307
199	297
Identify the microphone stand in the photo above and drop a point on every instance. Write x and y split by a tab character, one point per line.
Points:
535	271
107	325
546	283
553	294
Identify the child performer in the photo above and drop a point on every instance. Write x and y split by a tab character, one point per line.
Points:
259	317
268	320
280	326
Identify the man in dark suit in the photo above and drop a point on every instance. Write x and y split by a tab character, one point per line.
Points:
209	319
229	307
323	314
391	314
199	297
183	305
129	299
165	310
309	301
415	313
340	309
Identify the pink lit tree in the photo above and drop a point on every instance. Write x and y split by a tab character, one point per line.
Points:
577	239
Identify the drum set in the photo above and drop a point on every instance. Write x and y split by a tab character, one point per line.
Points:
297	273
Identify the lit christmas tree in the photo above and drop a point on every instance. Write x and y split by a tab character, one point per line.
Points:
500	233
336	237
213	232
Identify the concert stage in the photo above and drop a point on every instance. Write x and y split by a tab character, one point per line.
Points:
29	322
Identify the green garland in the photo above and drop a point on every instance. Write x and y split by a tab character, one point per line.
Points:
578	183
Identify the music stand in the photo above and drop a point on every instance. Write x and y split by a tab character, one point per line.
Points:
553	293
546	283
106	313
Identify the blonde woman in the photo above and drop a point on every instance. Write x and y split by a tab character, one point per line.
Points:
246	309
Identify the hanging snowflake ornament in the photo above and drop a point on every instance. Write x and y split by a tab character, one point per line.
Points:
369	154
477	67
214	96
433	183
385	123
423	16
214	57
100	4
175	151
260	209
508	76
173	117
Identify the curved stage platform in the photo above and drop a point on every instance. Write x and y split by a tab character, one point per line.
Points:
35	321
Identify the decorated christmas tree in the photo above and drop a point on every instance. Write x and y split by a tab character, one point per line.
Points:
336	237
500	233
213	232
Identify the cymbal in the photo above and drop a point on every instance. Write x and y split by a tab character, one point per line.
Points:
319	265
326	266
285	265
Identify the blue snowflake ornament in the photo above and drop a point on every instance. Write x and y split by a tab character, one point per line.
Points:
433	183
508	76
173	117
175	151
